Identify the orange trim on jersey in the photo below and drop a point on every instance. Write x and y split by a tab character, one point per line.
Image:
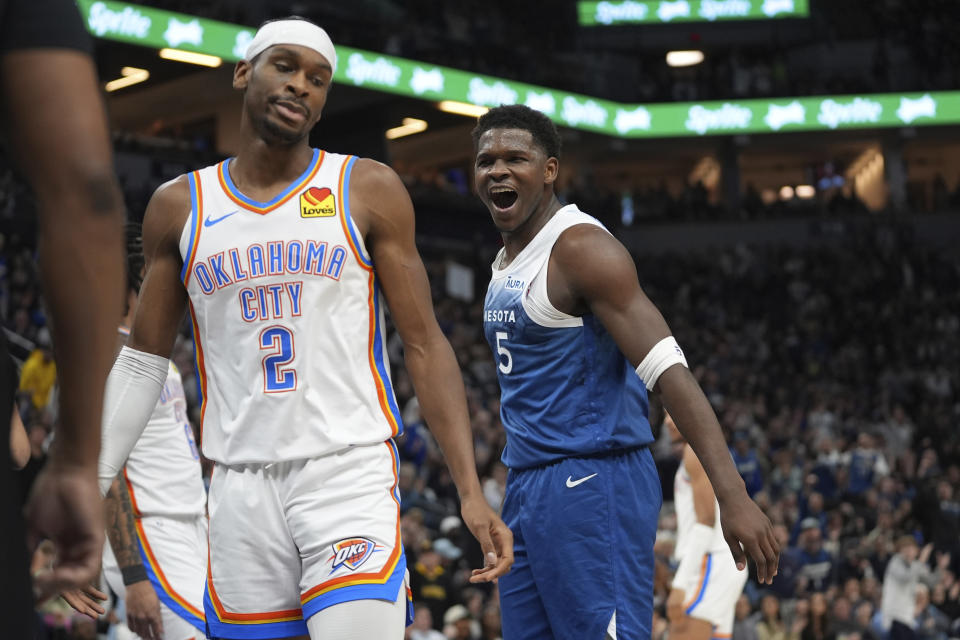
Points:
703	574
344	214
379	577
152	559
201	367
133	498
382	396
197	196
293	189
721	636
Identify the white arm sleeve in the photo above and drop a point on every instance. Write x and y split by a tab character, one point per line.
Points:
133	388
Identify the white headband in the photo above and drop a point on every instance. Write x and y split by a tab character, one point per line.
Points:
299	32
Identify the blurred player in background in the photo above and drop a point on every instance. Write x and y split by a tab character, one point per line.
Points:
64	151
156	510
274	252
706	585
578	346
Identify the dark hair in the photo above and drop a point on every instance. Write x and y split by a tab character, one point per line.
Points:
135	260
518	116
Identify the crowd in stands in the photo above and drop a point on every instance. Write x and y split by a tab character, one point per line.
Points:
832	371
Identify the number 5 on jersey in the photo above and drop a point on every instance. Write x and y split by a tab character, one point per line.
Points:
502	351
278	341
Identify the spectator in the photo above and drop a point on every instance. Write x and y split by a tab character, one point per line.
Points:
906	569
816	565
817	625
459	625
747	463
38	376
422	626
930	622
432	584
771	625
744	625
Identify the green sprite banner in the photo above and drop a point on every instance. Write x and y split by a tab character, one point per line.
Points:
155	28
592	13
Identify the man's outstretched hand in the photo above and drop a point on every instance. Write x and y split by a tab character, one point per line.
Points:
745	524
494	536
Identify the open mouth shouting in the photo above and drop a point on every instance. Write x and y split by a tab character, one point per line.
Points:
503	197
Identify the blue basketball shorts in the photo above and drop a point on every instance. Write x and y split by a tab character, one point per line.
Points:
583	532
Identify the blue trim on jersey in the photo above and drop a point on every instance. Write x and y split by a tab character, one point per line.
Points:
283	194
196	366
378	357
386	591
165	598
194	205
396	468
255	631
345	194
703	585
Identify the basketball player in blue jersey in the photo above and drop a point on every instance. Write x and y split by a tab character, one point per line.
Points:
578	346
284	256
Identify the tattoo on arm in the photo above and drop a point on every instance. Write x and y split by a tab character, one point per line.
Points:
121	529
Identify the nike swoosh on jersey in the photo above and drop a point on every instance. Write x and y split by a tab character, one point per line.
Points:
209	222
571	483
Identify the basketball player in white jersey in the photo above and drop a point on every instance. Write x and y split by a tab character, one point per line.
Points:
707	584
285	256
156	510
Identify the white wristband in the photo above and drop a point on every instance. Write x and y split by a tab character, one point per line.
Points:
133	388
661	357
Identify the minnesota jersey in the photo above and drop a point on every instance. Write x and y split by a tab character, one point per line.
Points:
163	470
566	389
287	317
687	517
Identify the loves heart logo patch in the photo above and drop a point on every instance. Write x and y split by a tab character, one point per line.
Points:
317	202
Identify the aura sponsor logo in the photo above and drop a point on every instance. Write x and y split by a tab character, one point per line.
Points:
627	121
773	7
513	284
589	112
424	80
542	102
179	32
628	11
351	553
860	110
128	22
713	9
728	116
677	9
490	94
911	109
779	116
380	71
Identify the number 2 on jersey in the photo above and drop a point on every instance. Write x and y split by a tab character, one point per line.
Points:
279	341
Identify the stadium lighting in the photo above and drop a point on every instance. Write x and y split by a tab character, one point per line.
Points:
128	76
684	58
786	192
191	57
462	108
805	191
409	127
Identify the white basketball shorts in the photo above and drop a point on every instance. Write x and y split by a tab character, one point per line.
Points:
292	538
712	594
174	552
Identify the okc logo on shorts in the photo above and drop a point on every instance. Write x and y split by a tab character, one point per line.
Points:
351	553
317	203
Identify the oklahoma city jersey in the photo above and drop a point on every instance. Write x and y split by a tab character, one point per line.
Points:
288	318
566	389
163	470
687	516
